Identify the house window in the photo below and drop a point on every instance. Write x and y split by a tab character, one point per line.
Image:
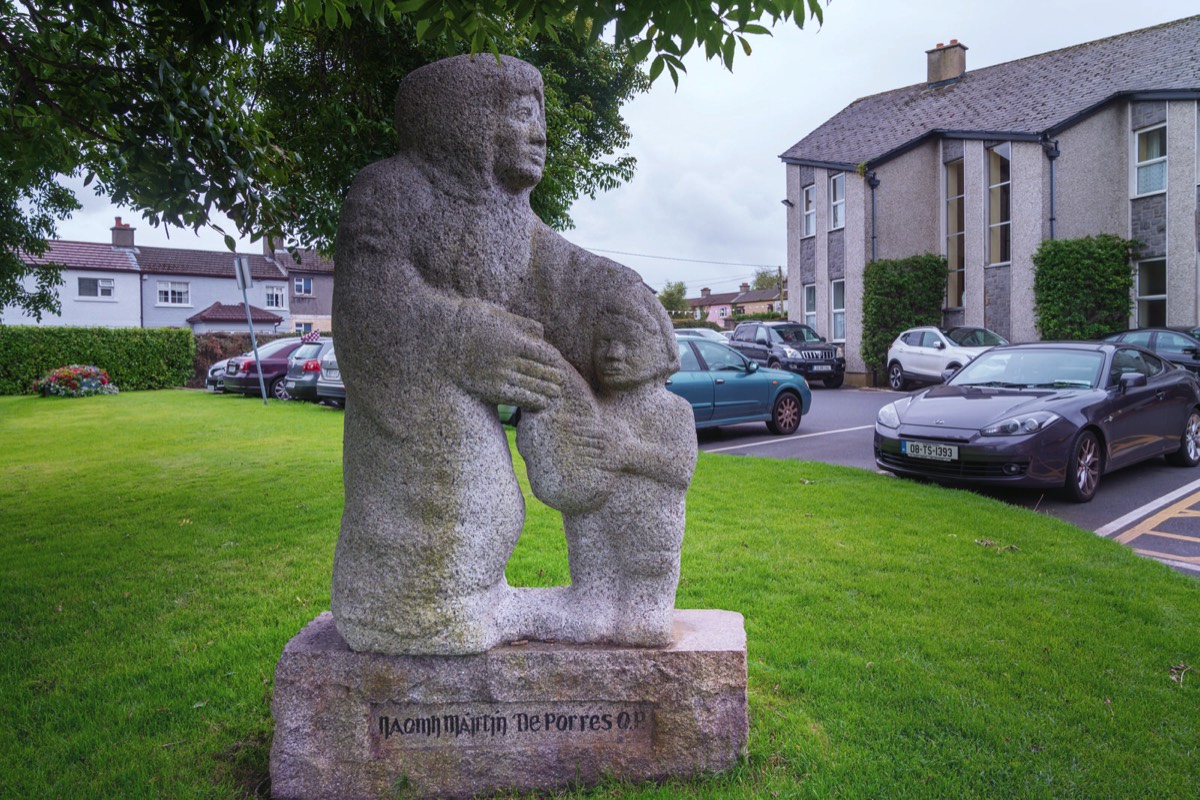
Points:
302	286
275	298
999	204
955	237
810	305
837	310
303	327
96	287
837	201
1151	175
1152	293
808	204
174	293
721	312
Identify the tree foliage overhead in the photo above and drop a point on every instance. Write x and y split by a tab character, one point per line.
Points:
159	103
767	279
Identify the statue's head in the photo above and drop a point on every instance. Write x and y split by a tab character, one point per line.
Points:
631	347
480	119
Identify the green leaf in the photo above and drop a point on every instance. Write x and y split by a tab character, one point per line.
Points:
656	66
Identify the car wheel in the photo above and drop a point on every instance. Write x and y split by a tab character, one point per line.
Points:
1188	454
896	379
1084	468
785	414
279	391
774	364
834	381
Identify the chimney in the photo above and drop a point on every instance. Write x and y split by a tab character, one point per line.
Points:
745	287
705	292
268	247
947	62
122	234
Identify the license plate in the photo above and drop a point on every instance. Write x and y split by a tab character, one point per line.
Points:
822	368
333	374
291	384
930	450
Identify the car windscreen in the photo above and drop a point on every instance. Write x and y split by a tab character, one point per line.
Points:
974	337
794	334
306	351
1040	368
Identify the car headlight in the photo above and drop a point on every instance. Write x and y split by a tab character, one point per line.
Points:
888	416
1020	425
840	352
790	353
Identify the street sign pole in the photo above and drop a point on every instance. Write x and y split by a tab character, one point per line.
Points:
241	270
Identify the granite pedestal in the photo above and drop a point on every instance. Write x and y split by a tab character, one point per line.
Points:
519	716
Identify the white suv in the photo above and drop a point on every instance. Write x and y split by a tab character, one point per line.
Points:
923	354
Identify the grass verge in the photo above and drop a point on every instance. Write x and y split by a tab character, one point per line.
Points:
158	549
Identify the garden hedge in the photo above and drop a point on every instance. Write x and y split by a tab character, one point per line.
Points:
135	358
898	294
1083	288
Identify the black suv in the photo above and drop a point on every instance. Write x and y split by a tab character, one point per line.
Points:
793	347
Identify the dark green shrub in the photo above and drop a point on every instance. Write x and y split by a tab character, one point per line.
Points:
1082	288
898	294
135	358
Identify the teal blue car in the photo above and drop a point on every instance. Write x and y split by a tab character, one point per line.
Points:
725	387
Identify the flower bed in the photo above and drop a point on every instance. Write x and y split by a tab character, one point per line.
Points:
75	381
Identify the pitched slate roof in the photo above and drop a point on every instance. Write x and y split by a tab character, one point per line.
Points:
758	296
1040	94
310	261
213	263
722	299
221	312
85	255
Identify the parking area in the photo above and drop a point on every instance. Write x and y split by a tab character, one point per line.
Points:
1152	507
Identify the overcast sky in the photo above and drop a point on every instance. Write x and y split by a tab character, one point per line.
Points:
709	180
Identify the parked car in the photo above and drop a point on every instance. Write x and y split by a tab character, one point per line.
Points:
241	373
921	355
330	388
793	347
1178	345
725	387
214	381
1051	414
304	369
706	333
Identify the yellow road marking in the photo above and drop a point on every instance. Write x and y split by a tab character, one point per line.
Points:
1168	556
1166	535
1182	508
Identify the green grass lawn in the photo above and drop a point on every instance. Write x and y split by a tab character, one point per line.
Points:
158	549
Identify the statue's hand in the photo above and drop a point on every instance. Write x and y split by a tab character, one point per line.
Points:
506	360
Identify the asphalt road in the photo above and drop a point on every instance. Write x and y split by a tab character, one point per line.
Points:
839	430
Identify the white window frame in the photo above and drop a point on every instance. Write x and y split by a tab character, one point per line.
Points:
276	296
808	209
721	312
1005	151
837	314
1150	298
302	327
1138	166
106	289
809	291
302	287
172	288
837	201
953	269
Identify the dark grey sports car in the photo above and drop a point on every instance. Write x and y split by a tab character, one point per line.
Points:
1052	414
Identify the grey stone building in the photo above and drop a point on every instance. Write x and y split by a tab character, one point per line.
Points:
982	166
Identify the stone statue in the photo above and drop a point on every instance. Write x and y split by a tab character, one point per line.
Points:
452	297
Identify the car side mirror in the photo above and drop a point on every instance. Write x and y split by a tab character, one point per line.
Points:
1130	380
752	366
820	338
1195	351
940	345
947	374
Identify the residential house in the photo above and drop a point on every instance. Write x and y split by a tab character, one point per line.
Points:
710	307
982	166
311	283
759	301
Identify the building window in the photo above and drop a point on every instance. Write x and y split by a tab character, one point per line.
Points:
721	312
302	287
302	327
837	310
1151	157
837	201
999	204
96	287
275	298
808	204
174	293
810	305
1152	294
955	236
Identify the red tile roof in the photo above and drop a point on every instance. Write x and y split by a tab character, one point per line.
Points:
85	255
221	312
